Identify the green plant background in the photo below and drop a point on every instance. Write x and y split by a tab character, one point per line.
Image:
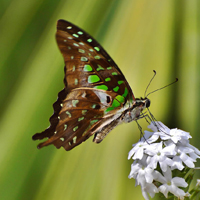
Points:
141	36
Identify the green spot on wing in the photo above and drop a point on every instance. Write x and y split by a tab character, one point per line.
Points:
93	79
120	82
87	68
107	79
109	109
97	48
75	44
97	57
115	103
75	35
131	99
80	119
125	92
84	58
100	68
74	102
76	81
114	73
93	121
80	32
75	128
74	139
116	88
65	127
81	50
101	87
68	113
93	105
109	68
84	112
89	40
120	98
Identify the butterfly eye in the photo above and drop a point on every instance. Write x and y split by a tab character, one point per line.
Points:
108	99
148	103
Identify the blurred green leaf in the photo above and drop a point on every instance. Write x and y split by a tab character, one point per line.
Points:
141	36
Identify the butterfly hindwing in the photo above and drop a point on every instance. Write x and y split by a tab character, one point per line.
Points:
80	112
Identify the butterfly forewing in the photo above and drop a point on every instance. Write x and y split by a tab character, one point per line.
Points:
86	63
95	90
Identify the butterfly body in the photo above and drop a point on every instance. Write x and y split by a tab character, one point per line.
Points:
96	97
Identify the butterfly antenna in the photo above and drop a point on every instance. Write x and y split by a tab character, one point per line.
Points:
162	87
149	83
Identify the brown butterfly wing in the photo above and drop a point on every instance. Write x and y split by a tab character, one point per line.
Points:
81	113
84	58
92	82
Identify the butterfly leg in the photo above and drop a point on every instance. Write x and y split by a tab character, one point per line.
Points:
153	120
140	128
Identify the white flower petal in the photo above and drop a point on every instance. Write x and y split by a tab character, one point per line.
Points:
198	182
162	127
163	189
174	136
130	154
189	163
180	182
164	165
153	138
187	160
135	167
141	178
168	174
176	191
170	150
194	148
194	156
158	177
147	135
177	163
153	162
153	127
149	188
149	175
145	195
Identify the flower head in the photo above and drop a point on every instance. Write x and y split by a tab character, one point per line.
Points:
157	155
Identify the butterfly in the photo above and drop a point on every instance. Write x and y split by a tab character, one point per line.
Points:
96	97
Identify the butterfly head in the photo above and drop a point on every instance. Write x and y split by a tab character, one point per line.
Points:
134	112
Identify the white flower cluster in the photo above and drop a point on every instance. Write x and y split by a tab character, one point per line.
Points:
156	155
